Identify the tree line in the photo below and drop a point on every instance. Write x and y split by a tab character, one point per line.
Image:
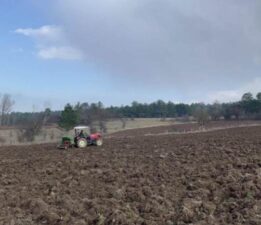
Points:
249	107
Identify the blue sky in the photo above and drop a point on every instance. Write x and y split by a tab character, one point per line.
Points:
32	81
54	52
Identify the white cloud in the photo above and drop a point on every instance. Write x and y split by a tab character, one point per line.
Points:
66	53
51	43
45	33
253	86
191	47
172	42
225	96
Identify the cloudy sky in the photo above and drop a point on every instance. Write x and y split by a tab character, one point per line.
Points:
117	51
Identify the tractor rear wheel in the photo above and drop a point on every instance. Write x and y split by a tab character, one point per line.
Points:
99	142
81	143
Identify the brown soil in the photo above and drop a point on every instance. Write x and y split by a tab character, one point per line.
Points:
186	128
205	178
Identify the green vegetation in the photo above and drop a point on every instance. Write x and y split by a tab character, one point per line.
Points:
247	108
69	117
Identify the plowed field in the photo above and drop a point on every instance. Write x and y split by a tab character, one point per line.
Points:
205	178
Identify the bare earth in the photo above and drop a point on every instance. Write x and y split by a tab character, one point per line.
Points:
204	178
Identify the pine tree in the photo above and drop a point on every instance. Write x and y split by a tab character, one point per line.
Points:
69	117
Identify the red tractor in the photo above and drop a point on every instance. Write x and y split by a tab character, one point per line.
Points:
82	139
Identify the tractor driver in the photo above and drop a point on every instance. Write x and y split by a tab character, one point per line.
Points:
81	135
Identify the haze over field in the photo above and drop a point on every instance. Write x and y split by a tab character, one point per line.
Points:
59	51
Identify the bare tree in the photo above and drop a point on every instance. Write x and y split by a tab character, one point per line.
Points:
94	115
33	127
215	110
6	105
123	121
201	115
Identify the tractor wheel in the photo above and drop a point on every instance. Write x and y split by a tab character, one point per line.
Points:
99	142
81	143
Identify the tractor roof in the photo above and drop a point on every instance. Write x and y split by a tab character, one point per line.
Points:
81	127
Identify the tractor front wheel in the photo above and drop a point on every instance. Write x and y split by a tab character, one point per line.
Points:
81	143
99	142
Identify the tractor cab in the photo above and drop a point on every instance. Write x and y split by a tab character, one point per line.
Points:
82	131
